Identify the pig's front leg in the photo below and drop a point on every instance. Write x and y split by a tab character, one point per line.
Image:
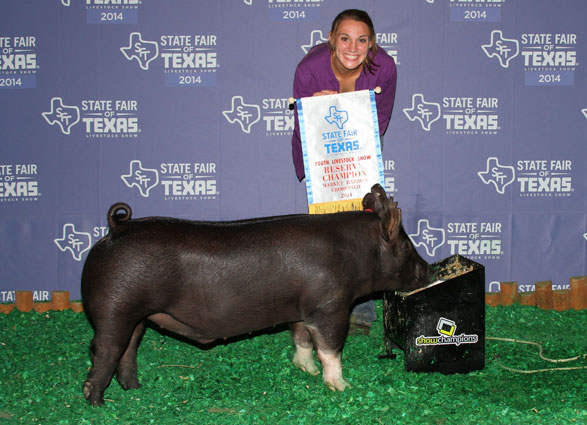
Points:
332	374
303	357
328	335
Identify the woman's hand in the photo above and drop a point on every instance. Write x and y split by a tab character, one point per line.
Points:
324	92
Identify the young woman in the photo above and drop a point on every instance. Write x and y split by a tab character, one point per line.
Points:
349	61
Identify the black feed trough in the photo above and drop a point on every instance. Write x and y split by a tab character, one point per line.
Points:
441	327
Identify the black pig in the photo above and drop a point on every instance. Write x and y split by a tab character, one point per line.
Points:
205	281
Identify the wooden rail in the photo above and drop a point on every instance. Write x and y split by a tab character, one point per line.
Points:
23	301
543	297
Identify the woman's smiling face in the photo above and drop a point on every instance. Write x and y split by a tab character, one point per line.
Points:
351	42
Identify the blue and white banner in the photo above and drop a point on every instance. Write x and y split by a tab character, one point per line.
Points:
341	149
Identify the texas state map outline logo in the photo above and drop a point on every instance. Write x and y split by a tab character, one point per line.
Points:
336	117
73	241
244	114
501	48
428	237
498	175
62	115
426	113
144	179
143	51
316	38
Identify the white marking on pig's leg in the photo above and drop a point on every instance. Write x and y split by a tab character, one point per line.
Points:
332	370
304	359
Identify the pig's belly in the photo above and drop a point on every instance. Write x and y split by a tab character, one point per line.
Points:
211	324
219	310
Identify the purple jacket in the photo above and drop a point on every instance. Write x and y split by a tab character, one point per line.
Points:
314	73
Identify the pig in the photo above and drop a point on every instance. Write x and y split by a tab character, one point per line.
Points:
211	280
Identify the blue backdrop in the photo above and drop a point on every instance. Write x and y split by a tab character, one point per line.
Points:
179	108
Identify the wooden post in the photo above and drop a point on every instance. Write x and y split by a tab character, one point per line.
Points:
42	307
561	300
492	298
509	293
23	300
6	308
579	292
528	298
59	300
76	306
544	294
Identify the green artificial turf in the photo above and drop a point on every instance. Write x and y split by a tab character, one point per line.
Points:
44	360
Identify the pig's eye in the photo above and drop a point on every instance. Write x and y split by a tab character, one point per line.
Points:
406	248
403	249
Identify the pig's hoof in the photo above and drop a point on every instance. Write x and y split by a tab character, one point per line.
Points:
337	385
88	390
130	386
307	366
128	383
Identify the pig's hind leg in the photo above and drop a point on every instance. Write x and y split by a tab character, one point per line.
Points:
107	348
126	372
303	357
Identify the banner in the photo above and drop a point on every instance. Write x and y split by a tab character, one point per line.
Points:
341	149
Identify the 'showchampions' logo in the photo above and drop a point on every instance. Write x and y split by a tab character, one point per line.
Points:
446	329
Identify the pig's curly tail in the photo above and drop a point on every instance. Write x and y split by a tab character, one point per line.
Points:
114	218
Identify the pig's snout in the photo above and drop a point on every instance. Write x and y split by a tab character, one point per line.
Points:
421	274
415	274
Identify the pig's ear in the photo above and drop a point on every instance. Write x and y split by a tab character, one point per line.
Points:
387	210
392	219
374	200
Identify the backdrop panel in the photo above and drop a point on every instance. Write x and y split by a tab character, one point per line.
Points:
180	109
